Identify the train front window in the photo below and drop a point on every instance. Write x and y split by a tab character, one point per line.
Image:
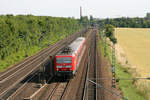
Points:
67	60
64	60
59	60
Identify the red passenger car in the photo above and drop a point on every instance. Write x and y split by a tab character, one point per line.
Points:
67	60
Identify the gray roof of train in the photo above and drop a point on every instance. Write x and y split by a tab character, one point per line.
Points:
73	46
76	44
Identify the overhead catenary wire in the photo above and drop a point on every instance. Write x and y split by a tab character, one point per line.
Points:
137	78
109	90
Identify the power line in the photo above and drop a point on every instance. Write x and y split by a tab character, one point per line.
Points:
109	90
138	78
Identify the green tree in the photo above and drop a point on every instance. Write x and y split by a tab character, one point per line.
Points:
109	32
84	20
28	33
148	15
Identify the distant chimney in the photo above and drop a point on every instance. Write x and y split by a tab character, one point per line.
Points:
80	12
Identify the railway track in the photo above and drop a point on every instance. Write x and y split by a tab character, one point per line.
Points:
26	85
21	74
58	91
28	88
51	91
76	88
20	81
84	93
90	90
13	76
16	67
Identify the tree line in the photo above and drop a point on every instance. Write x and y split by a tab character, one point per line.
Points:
126	22
21	32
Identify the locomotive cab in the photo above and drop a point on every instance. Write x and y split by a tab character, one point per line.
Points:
64	65
67	60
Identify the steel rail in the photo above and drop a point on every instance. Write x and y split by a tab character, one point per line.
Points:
86	78
10	87
38	57
18	90
55	90
85	89
28	59
36	93
23	62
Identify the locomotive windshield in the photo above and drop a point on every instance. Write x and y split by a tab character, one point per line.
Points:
64	60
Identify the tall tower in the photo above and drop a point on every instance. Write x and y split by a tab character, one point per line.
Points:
80	12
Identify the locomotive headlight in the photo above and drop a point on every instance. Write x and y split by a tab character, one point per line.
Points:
59	66
68	66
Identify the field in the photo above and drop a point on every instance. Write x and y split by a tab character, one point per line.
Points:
133	47
136	45
128	89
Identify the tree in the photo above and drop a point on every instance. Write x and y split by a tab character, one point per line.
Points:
148	15
22	32
109	32
127	22
91	18
84	20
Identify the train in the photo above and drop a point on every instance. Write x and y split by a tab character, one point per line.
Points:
67	61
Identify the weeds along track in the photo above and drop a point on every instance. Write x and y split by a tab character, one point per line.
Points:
55	90
11	78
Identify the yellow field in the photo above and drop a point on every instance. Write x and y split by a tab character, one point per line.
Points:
135	42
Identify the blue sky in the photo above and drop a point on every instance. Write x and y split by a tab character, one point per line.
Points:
70	8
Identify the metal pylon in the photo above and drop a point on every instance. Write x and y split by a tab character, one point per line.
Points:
113	67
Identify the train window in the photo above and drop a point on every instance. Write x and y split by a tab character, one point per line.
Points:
59	66
64	60
67	60
59	60
68	66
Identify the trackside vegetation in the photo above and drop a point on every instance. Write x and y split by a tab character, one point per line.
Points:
24	35
127	87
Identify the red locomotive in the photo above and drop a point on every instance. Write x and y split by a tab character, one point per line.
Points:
67	60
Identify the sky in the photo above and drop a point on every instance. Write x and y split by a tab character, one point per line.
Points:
71	8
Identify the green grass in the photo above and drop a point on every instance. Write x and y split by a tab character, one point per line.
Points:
126	86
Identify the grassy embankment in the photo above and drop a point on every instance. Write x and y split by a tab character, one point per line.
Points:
127	87
135	43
